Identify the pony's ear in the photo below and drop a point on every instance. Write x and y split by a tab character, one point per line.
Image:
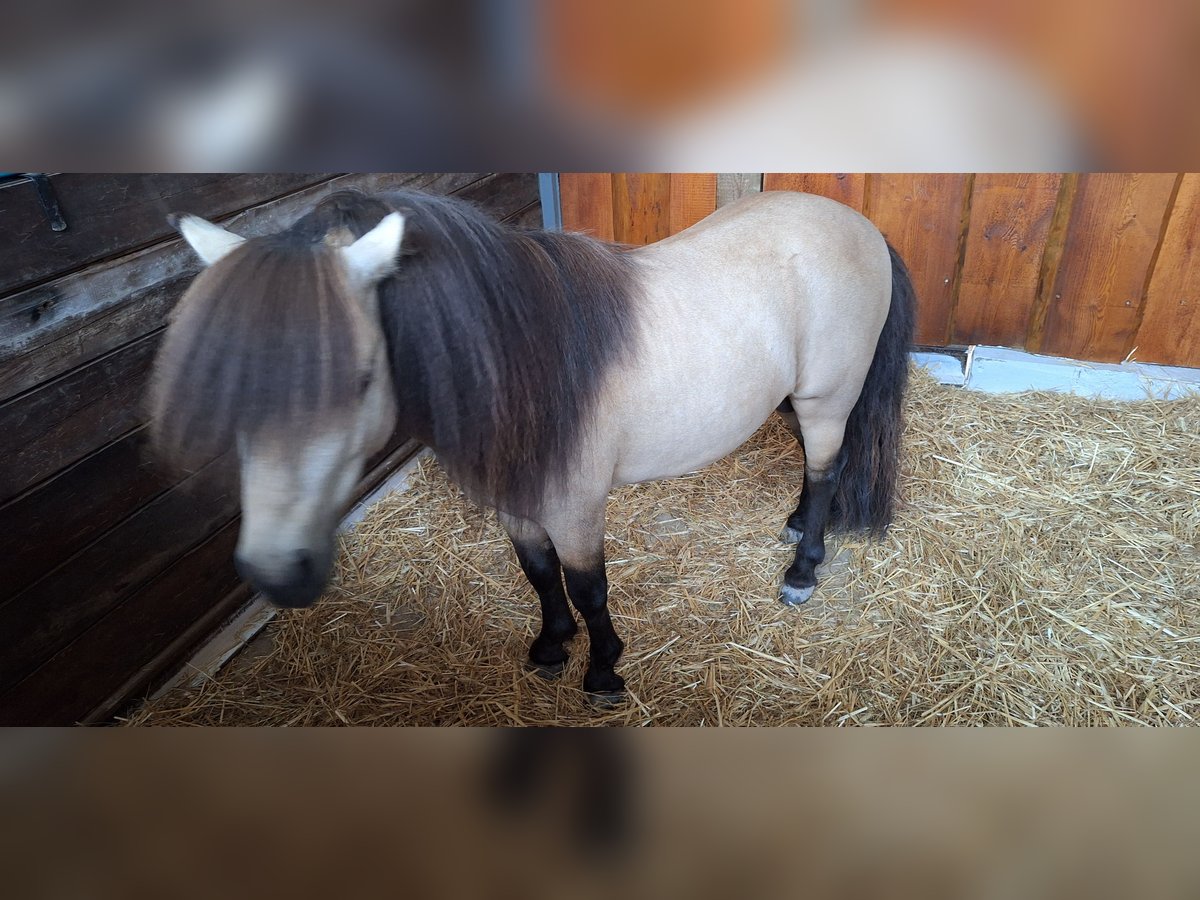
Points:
373	256
211	242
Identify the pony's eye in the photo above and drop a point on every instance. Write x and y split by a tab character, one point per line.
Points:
364	382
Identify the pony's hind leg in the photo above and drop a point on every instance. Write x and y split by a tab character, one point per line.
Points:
822	467
793	529
539	561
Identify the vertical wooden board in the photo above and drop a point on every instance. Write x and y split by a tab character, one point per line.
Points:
641	207
693	197
1116	222
735	185
1170	328
587	203
844	187
922	217
1006	235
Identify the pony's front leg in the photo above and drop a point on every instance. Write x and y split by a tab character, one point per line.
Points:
539	561
588	588
580	543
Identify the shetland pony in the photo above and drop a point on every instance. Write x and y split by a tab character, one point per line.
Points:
543	368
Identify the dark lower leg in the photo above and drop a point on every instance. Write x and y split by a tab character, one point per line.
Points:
540	564
588	589
811	517
795	522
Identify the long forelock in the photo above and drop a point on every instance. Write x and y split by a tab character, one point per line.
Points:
269	337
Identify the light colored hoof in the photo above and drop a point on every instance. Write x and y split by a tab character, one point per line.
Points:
794	596
790	535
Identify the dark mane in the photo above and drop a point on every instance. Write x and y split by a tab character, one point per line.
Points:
500	339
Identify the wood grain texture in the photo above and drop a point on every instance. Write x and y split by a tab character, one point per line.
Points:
112	214
1009	221
151	632
844	187
1170	328
922	217
502	195
43	528
86	672
587	203
64	603
62	421
1097	299
641	207
693	197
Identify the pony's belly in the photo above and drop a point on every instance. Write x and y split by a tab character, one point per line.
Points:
669	453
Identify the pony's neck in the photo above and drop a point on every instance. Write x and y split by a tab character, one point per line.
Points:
498	347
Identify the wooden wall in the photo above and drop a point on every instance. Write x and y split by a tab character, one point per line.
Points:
110	571
1091	266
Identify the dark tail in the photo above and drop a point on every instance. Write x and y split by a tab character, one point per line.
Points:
870	455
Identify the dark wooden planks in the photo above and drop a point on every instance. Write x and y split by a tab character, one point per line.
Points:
1009	221
152	631
86	672
529	217
1096	302
62	421
65	602
111	214
45	527
844	187
502	195
923	216
1170	328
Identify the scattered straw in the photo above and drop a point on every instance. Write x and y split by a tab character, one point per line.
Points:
1044	569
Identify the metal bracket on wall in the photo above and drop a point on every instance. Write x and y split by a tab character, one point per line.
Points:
48	199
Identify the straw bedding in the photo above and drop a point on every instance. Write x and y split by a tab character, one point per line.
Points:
1043	569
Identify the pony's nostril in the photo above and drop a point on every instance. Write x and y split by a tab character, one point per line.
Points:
304	563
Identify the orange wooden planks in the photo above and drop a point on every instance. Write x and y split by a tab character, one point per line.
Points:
1115	226
587	203
847	188
641	207
693	197
1170	327
922	217
1009	221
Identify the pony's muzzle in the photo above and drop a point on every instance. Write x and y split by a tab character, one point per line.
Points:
294	584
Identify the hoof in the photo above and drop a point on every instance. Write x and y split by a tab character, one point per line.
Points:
794	596
790	535
604	700
548	671
604	691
